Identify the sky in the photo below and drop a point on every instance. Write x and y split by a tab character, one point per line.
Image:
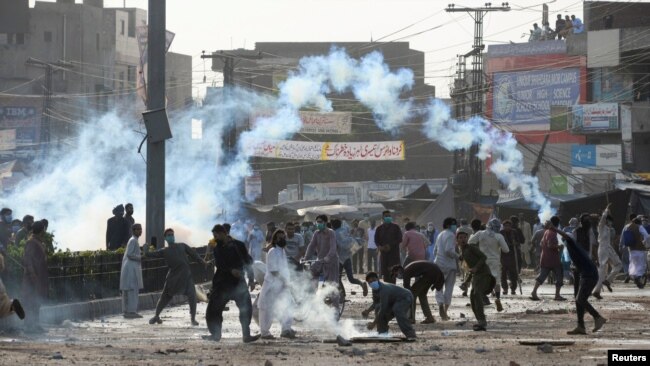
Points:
217	25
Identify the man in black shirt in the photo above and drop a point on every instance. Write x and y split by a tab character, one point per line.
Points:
427	275
588	280
231	260
117	232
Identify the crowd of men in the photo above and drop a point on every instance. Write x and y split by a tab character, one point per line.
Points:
564	27
487	257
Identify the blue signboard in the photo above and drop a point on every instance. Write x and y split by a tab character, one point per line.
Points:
526	97
583	156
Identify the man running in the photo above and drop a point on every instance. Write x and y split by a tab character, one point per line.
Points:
588	274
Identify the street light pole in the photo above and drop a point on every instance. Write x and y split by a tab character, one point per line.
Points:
155	210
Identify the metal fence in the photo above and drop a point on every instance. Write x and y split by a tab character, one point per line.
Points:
79	278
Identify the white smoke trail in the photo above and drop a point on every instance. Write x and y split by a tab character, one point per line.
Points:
379	89
508	167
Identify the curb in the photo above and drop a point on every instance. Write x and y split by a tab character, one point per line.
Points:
94	309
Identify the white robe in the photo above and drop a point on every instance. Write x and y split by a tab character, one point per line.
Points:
274	288
131	274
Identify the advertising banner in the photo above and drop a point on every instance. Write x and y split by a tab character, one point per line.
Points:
23	118
583	156
599	116
527	49
253	186
526	97
7	140
333	123
586	159
559	185
310	150
628	152
626	122
328	123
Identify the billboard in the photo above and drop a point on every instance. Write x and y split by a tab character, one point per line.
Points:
328	123
23	117
599	116
587	159
312	150
525	98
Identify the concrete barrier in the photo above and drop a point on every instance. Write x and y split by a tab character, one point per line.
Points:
88	310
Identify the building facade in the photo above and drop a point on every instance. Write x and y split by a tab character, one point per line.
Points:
62	62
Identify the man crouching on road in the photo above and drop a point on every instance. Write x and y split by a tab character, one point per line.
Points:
393	302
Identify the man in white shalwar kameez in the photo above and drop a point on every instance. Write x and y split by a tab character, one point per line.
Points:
606	254
131	275
275	299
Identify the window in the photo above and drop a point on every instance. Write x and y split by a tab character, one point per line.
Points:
10	38
97	41
20	38
121	27
132	24
47	36
121	80
130	74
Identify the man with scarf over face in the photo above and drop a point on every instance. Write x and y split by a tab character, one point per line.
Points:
228	283
388	236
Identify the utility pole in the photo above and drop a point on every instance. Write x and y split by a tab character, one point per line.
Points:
156	122
225	61
477	89
46	122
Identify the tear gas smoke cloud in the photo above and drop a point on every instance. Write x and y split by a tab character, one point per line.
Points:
309	308
76	189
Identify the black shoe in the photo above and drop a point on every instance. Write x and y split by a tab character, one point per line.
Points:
291	334
211	337
627	279
513	292
155	319
464	294
597	295
640	282
479	328
18	309
251	338
608	285
195	323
